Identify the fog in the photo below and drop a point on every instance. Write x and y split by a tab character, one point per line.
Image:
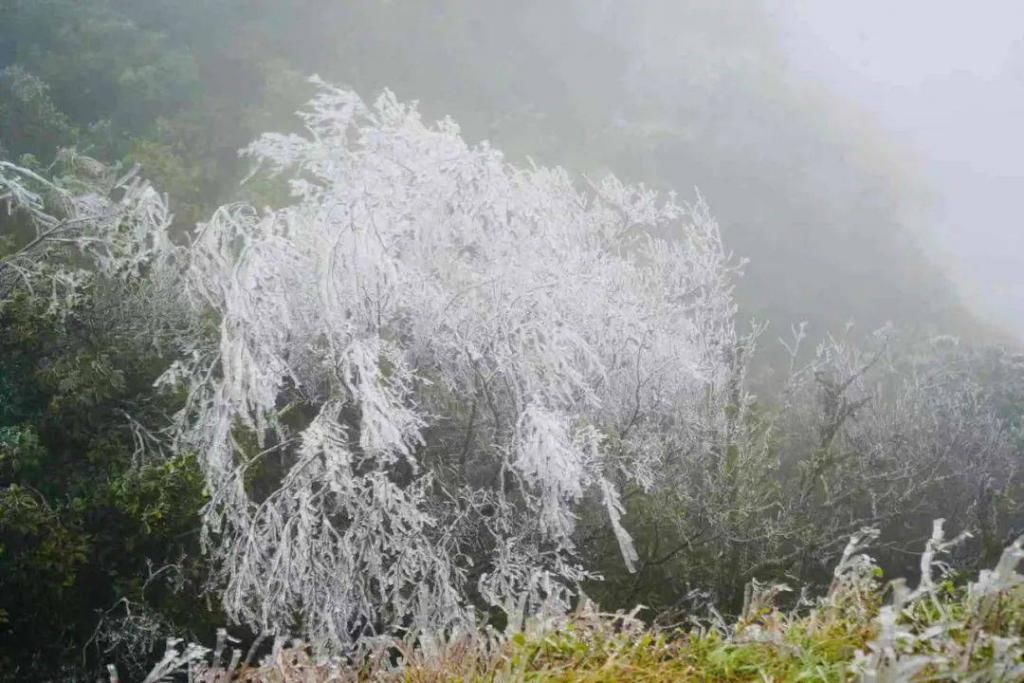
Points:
946	79
863	165
936	91
863	158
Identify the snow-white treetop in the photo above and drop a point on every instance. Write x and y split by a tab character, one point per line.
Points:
441	355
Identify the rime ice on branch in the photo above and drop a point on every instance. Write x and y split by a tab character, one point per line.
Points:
58	233
436	357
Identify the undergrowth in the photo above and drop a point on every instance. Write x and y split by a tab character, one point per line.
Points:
863	629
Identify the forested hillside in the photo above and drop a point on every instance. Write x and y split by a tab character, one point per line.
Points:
446	355
673	94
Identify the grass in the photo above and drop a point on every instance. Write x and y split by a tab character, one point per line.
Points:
863	629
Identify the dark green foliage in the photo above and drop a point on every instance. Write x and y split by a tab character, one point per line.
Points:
84	520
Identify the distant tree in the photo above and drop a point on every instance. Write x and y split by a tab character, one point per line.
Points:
427	362
30	123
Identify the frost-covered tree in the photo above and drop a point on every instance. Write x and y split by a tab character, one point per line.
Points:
427	362
888	431
894	433
79	220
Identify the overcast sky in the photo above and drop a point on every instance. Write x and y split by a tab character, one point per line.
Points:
947	78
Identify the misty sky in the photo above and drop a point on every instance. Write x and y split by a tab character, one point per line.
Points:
947	78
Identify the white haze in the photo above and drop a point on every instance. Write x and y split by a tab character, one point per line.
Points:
947	79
